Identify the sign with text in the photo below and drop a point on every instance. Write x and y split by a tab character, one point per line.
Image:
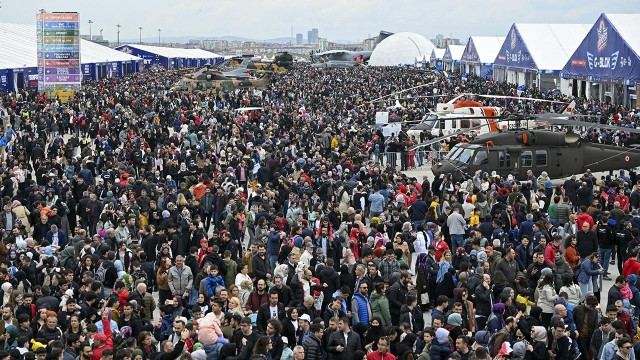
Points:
58	51
604	55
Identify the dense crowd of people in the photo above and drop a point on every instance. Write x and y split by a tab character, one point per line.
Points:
140	223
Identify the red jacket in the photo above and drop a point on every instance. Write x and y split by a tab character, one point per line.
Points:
441	247
580	219
550	254
122	298
631	266
376	355
626	322
97	352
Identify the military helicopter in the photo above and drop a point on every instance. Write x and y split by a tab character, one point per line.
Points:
206	79
514	152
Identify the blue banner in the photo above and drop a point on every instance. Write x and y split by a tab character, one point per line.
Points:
61	25
486	71
514	52
60	48
439	64
603	56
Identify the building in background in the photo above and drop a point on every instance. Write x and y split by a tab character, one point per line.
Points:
299	39
442	42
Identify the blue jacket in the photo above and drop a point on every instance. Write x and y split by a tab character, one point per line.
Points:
439	351
526	228
419	210
62	238
587	271
165	330
212	283
363	309
377	202
273	243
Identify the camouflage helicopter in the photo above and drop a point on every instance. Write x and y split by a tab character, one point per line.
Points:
207	79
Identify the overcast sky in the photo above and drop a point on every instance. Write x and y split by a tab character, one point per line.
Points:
336	19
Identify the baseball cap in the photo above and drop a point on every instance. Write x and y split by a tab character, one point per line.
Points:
305	317
101	337
489	248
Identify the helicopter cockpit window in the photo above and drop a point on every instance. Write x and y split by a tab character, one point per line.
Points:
465	156
541	158
481	158
465	124
454	152
526	159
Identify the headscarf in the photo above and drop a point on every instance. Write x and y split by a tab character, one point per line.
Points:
126	278
422	262
12	330
519	350
454	319
539	334
498	310
137	352
457	294
199	355
6	289
407	343
442	335
482	337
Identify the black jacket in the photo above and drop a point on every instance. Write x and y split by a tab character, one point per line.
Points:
177	350
417	320
264	315
483	300
397	297
581	314
587	243
260	267
352	345
330	277
313	349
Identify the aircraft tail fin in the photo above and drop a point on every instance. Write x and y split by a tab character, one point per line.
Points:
245	63
569	109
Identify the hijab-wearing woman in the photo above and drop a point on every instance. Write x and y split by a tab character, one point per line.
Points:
539	345
406	346
375	332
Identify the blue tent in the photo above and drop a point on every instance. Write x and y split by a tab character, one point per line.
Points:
609	52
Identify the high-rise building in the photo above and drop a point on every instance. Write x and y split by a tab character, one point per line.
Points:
315	39
299	39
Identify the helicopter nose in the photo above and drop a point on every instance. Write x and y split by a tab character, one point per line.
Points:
446	167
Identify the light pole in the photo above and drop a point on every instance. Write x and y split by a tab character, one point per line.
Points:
140	28
90	22
159	36
118	26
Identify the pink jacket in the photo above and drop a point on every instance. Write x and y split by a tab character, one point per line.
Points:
209	329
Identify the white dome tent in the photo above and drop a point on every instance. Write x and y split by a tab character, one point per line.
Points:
401	49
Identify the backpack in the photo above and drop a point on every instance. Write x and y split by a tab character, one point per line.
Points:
100	273
139	275
489	320
491	343
70	263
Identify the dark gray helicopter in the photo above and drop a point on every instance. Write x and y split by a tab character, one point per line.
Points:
514	152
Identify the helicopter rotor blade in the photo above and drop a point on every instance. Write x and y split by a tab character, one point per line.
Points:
518	98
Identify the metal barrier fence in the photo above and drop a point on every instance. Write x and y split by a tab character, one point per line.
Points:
409	160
